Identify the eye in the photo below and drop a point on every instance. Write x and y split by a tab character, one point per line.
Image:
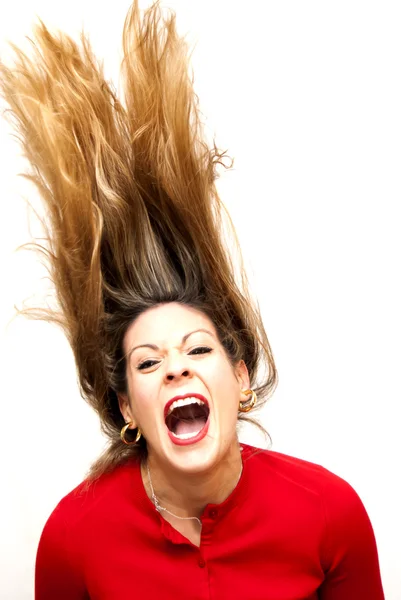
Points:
200	350
147	364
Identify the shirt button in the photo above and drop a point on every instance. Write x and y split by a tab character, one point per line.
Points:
213	513
201	563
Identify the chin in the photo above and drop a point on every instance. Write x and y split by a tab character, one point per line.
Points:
199	456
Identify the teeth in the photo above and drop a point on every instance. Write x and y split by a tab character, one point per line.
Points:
184	402
185	436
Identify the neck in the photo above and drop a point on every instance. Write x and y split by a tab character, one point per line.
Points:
186	495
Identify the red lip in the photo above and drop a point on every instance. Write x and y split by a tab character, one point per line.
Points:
192	440
189	395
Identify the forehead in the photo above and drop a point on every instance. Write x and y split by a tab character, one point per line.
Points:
167	323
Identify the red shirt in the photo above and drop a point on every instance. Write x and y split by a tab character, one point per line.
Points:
291	530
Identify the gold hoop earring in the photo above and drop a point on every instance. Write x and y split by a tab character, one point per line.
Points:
122	435
248	407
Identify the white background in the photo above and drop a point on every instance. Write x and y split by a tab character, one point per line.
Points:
306	96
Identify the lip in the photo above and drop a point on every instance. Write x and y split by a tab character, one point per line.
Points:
202	432
189	395
192	440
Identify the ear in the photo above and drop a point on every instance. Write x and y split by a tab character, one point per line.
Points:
241	372
125	409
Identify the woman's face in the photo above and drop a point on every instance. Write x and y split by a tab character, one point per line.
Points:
173	353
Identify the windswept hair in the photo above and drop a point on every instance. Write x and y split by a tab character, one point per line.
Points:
134	215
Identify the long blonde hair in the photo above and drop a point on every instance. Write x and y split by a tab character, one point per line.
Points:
135	218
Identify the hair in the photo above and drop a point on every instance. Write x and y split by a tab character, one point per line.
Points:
134	217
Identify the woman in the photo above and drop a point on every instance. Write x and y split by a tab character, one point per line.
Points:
170	350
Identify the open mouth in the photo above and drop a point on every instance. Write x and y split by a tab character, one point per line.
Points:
187	417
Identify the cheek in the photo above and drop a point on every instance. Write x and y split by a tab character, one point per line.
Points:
224	382
143	396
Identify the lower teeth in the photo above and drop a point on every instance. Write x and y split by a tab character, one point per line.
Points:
185	436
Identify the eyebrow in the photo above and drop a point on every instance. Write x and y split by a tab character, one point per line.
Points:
184	339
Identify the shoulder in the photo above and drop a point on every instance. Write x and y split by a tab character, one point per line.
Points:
90	497
348	537
60	553
305	483
298	472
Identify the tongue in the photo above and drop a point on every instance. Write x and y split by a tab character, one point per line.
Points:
190	426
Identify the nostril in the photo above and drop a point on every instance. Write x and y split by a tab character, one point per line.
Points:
183	374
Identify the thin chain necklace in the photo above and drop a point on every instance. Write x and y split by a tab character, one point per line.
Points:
160	508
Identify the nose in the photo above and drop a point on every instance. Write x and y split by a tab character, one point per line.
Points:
177	368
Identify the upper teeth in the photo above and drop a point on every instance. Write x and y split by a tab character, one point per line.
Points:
184	402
